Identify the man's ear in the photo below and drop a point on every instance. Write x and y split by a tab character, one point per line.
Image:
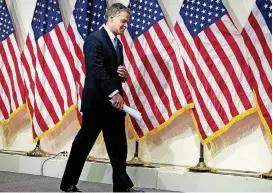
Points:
111	18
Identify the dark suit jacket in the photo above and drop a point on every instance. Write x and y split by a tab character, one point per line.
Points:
101	63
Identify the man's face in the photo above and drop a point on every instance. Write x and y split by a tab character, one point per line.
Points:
120	23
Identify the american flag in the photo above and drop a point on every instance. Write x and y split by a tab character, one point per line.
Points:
11	81
49	69
88	16
216	66
156	84
257	35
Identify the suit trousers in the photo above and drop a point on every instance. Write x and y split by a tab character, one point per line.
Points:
112	124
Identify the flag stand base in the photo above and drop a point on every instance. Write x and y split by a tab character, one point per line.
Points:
267	175
136	161
90	158
93	159
200	167
38	152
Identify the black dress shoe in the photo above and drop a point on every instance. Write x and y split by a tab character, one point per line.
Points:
71	188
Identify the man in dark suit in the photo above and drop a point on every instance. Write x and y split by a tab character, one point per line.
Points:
104	76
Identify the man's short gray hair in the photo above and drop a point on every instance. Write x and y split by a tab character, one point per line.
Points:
116	9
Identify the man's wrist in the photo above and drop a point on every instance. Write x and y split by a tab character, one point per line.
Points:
113	93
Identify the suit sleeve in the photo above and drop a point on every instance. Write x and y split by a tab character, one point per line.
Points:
94	62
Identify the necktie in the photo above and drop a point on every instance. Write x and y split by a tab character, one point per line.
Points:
115	43
116	46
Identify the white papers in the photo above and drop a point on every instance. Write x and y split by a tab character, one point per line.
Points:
134	113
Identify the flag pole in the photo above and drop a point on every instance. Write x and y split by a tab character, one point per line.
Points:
267	175
38	152
136	161
201	166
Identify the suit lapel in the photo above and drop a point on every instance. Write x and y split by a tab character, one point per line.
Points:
109	42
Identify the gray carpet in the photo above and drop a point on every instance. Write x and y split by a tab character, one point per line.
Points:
14	182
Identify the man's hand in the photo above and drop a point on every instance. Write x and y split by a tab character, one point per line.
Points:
117	101
122	72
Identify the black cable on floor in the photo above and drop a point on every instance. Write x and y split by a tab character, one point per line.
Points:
63	152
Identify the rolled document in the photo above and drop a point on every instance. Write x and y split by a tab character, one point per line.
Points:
134	113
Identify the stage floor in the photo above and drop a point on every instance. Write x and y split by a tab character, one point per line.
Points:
15	182
29	176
